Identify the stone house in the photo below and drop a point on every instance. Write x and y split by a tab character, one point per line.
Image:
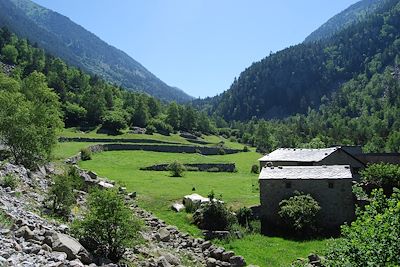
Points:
330	185
312	157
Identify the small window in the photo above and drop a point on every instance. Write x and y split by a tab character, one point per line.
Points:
330	185
288	185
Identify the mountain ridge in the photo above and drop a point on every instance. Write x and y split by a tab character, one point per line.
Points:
301	76
61	37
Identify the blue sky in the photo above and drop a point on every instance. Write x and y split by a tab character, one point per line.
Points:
199	46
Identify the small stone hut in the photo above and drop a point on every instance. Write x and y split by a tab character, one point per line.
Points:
331	186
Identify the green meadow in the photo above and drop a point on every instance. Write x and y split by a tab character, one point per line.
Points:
156	191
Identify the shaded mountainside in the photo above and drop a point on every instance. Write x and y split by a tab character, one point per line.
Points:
353	14
62	37
294	79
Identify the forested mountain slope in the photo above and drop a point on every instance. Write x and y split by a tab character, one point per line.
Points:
292	80
353	14
61	37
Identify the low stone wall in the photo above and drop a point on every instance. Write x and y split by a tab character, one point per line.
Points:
217	167
170	148
155	148
111	140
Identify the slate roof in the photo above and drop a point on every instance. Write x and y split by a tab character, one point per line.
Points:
306	172
299	154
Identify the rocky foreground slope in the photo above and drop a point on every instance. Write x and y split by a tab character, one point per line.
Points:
29	239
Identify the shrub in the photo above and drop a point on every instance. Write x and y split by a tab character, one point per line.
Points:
86	154
243	216
176	168
10	180
373	239
299	213
255	169
246	149
114	121
161	127
61	195
221	151
382	175
150	129
109	226
213	216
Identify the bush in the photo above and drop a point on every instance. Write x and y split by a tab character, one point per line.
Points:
176	169
221	151
10	180
61	195
246	149
86	154
382	175
255	169
373	239
109	226
299	213
214	216
244	216
161	127
114	121
150	129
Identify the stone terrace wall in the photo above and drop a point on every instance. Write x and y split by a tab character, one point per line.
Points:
156	148
170	148
110	140
222	167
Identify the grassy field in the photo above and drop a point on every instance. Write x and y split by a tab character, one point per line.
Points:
157	191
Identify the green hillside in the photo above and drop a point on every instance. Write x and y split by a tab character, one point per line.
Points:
61	37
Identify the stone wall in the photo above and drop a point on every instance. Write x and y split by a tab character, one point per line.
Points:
222	167
337	203
155	148
111	140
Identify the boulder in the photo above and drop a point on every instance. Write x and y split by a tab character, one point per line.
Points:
105	184
177	207
162	262
217	253
227	255
25	232
67	244
237	261
172	259
211	262
164	234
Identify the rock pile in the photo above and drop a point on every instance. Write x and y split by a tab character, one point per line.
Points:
165	240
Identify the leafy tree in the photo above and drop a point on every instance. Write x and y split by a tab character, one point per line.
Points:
109	225
189	119
61	195
373	239
173	116
114	121
299	212
141	115
10	54
74	114
263	139
29	122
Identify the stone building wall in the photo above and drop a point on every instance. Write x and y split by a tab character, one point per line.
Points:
337	203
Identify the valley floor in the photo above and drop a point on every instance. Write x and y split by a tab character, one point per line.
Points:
157	191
